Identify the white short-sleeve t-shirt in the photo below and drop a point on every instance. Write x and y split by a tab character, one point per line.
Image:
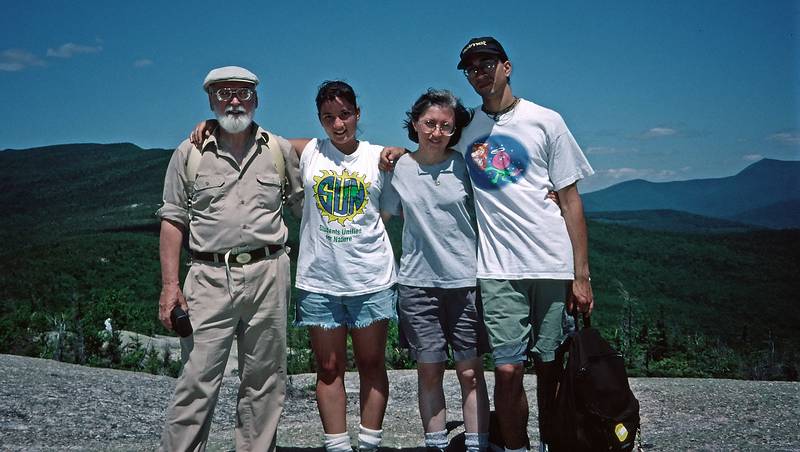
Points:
344	248
513	162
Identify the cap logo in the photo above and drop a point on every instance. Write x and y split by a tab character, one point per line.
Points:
474	44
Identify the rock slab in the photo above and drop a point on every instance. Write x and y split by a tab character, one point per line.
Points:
50	406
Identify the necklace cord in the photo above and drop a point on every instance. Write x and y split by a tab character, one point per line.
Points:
495	115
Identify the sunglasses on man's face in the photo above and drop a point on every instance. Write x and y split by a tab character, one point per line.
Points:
483	66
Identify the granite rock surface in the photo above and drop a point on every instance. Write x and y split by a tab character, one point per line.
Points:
50	406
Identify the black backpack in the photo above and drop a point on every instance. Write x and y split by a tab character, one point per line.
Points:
595	409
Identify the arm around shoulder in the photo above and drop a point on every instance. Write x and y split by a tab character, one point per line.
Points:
389	156
294	188
202	130
299	144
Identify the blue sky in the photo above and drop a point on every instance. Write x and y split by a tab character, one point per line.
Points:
655	90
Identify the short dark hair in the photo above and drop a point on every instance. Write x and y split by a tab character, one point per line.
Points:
440	98
331	89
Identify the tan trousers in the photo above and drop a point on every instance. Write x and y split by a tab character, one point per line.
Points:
253	309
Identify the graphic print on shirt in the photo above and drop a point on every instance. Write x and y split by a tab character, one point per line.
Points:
341	197
496	160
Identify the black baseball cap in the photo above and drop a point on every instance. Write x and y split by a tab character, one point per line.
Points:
485	45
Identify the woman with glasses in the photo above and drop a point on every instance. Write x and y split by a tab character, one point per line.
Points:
438	303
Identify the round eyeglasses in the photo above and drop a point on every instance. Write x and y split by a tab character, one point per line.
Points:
243	94
430	126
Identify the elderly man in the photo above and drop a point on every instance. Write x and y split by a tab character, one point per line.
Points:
226	198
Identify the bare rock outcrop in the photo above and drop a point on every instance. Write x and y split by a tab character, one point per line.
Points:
50	406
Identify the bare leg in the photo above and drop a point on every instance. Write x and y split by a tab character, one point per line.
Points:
431	396
511	404
330	348
369	345
474	398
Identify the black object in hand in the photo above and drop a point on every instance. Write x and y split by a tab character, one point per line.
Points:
180	322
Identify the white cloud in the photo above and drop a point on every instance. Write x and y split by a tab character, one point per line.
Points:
657	132
785	138
752	157
70	49
12	60
605	178
638	173
142	62
619	173
605	150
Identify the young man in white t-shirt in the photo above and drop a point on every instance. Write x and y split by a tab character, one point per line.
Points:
532	256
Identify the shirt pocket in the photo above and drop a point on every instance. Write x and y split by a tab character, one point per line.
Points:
268	194
207	192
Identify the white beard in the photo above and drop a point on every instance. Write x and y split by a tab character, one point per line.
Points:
235	123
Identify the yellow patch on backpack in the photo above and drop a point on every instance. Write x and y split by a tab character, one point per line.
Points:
621	432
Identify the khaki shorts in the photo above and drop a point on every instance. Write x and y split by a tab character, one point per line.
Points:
525	317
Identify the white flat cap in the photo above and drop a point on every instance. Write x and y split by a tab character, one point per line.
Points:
229	74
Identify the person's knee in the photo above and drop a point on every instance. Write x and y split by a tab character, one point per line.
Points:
468	378
509	375
329	370
371	363
430	378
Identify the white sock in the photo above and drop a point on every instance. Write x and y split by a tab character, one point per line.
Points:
368	439
436	440
337	442
476	442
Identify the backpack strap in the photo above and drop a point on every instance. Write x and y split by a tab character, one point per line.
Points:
275	152
192	164
587	320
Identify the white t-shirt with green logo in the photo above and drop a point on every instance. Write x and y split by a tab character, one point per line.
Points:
344	248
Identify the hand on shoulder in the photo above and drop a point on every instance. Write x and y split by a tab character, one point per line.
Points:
389	156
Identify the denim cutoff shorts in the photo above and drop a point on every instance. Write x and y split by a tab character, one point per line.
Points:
332	311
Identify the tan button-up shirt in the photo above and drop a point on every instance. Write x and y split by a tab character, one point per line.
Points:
232	206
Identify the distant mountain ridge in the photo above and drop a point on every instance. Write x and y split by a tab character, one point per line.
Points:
766	193
122	177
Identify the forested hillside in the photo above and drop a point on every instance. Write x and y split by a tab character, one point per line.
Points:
81	245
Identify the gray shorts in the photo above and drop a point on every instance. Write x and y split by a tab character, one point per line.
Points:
432	318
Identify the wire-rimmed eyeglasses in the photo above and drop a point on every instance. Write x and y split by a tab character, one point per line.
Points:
243	94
